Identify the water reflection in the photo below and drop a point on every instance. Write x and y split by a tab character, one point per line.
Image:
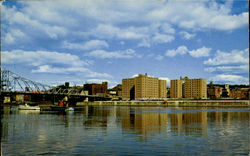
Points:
106	127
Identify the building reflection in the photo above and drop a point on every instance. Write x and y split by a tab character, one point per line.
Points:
144	121
95	117
189	123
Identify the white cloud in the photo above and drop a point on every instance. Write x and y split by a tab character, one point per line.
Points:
9	39
199	15
13	36
167	79
97	80
186	35
181	50
194	14
45	21
166	27
110	31
227	58
144	43
231	66
57	70
38	58
231	79
229	69
201	52
95	74
129	53
161	38
89	45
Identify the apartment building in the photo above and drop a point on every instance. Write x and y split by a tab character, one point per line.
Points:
188	88
176	88
195	88
143	87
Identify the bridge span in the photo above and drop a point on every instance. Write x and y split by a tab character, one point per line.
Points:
14	89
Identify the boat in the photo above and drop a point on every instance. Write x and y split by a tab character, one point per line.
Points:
62	108
70	109
28	107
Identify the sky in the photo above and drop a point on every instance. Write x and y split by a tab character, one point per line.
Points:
92	41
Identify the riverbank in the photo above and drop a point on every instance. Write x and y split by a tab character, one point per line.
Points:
179	103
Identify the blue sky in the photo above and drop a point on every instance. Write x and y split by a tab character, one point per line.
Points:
95	40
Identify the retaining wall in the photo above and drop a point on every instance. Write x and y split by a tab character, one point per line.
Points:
191	103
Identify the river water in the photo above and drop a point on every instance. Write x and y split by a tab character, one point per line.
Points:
123	130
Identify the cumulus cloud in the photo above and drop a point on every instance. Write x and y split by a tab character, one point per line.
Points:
228	69
181	50
95	74
57	70
167	79
89	45
231	67
97	80
201	52
9	39
110	31
37	58
167	28
161	38
227	58
129	53
186	35
42	21
232	79
144	43
13	36
199	15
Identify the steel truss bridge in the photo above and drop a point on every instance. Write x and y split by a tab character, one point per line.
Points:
12	83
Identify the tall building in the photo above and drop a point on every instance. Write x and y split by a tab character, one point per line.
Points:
128	87
195	88
176	88
162	89
94	88
188	88
143	87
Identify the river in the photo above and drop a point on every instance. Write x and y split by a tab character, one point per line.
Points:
124	130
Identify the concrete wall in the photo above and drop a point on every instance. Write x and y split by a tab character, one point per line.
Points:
193	103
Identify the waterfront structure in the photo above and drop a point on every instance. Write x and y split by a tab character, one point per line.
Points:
162	89
195	88
143	87
214	92
176	88
188	88
94	89
239	93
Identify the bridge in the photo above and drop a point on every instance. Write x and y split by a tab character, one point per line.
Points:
12	85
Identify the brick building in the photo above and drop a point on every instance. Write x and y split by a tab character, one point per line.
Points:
94	88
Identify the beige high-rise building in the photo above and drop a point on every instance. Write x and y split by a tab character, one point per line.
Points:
143	87
176	88
127	87
162	88
193	88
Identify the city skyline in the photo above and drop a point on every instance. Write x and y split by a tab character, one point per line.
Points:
93	41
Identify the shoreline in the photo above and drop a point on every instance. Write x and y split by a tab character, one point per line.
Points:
170	103
178	103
